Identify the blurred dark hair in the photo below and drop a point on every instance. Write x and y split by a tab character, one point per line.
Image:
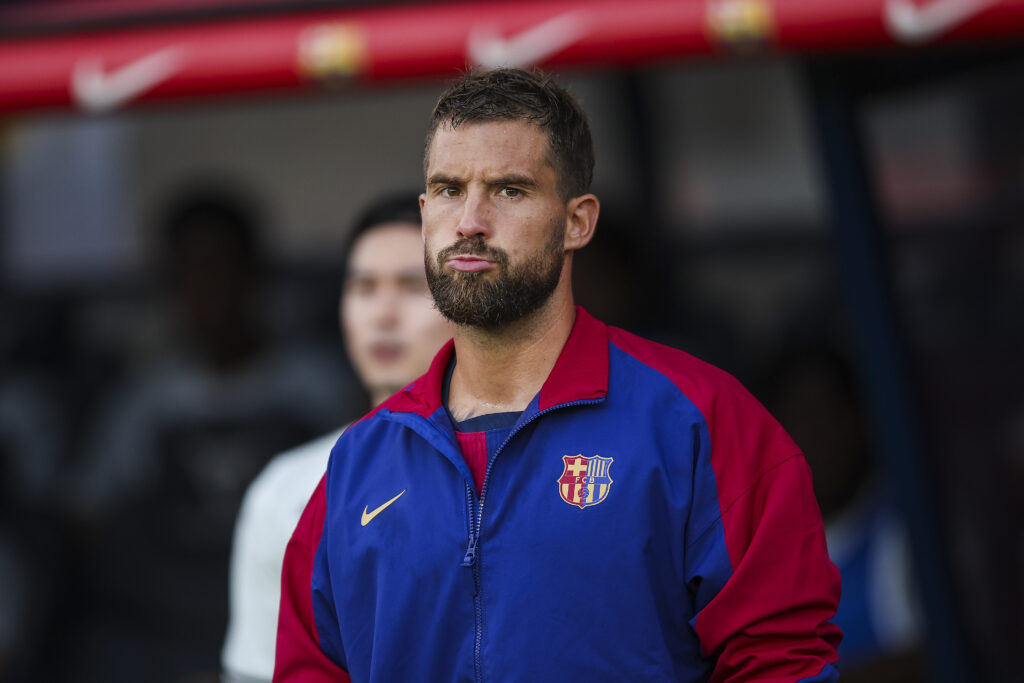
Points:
209	208
817	355
397	207
532	97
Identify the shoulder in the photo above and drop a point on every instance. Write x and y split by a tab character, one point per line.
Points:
702	383
745	440
288	480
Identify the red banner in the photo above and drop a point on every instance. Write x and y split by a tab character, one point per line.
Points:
105	71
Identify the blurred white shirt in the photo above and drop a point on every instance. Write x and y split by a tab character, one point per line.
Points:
268	516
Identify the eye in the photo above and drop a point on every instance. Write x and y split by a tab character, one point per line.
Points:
360	287
449	191
511	192
414	285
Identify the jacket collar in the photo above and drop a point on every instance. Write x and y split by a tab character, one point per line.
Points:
580	373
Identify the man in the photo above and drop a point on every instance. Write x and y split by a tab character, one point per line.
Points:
555	499
391	332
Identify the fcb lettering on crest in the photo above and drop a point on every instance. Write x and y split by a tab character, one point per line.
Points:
585	480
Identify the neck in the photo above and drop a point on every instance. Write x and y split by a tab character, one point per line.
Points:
378	395
502	370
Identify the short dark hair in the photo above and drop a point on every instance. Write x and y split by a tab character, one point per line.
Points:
399	207
205	208
530	96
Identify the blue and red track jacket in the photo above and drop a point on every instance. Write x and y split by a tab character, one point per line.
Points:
647	520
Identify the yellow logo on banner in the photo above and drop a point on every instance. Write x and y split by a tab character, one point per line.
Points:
331	50
740	22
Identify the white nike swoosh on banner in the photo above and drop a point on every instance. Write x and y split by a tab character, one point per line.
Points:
915	24
96	90
487	48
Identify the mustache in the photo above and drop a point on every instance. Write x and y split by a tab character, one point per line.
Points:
475	246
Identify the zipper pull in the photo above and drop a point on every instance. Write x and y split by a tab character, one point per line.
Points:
470	558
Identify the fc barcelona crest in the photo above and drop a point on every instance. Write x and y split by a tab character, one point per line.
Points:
585	481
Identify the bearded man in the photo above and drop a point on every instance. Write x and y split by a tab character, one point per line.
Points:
555	499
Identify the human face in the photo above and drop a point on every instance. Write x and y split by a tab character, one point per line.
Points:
493	222
390	325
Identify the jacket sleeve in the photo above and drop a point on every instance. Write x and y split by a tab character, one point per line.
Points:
307	627
764	585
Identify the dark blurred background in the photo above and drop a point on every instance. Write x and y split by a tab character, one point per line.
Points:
838	228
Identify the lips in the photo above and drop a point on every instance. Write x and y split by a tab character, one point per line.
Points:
386	352
472	255
466	263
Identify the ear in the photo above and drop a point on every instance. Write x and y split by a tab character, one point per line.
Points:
423	200
581	221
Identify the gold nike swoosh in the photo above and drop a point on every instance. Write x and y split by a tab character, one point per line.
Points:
367	516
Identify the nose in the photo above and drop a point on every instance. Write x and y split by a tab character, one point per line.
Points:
475	219
386	307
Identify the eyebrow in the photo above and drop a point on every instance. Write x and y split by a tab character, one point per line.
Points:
416	272
508	179
443	180
512	179
371	273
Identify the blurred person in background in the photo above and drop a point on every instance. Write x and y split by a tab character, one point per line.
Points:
391	331
811	388
171	452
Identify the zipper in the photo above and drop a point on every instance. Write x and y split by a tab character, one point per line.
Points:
470	558
469	561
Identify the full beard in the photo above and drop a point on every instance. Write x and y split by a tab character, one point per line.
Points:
490	303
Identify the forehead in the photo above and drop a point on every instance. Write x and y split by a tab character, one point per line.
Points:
388	247
493	147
